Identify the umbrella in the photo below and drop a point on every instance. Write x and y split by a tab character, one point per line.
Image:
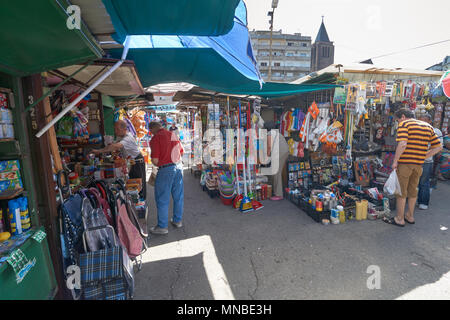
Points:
445	82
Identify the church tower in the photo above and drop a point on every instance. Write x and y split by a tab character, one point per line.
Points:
322	51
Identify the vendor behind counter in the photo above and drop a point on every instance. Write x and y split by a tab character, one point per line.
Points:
128	146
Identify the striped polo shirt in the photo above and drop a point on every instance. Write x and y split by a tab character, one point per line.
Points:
419	135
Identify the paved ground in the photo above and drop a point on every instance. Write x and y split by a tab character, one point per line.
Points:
281	253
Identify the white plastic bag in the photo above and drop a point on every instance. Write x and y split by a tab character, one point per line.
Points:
392	185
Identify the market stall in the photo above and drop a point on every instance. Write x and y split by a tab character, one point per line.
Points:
341	141
26	269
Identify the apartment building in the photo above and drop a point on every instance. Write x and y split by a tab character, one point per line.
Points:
291	55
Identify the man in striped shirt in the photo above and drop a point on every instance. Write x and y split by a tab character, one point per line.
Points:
417	141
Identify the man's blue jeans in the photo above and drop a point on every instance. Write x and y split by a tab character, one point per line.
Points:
424	184
169	181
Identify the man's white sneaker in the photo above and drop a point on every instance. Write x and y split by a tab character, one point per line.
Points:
423	207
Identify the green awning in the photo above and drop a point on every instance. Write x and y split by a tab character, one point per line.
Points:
207	69
34	37
169	17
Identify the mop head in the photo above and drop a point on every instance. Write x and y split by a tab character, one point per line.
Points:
246	205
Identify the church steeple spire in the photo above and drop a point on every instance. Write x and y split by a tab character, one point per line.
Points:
323	34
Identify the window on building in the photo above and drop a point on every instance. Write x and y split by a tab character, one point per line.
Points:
326	52
290	74
289	54
291	44
277	64
263	64
303	54
304	44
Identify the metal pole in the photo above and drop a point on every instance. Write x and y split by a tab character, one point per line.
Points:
270	54
85	93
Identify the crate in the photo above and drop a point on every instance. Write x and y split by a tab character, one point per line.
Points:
319	216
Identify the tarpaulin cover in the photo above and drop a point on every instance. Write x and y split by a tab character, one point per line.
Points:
223	63
171	17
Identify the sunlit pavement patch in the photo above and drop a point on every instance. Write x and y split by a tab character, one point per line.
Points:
191	247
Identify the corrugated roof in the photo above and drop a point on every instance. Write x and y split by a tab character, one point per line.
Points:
366	69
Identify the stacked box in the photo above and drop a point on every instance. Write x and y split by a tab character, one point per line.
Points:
10	178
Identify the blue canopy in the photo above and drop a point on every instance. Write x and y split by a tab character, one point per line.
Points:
223	63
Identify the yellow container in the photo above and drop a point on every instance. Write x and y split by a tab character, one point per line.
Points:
361	210
365	209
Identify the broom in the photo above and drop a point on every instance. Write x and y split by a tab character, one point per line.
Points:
246	203
238	199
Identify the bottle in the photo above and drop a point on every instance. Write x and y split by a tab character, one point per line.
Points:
341	214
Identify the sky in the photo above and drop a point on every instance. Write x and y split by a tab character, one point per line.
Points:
363	29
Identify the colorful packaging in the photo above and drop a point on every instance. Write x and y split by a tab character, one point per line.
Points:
9	165
10	184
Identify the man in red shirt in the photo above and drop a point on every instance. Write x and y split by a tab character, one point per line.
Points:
166	153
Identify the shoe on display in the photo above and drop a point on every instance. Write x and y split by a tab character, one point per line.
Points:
158	230
423	207
176	224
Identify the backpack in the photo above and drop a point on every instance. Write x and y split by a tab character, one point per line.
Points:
128	234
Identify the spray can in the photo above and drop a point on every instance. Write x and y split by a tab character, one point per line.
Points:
14	217
24	215
341	211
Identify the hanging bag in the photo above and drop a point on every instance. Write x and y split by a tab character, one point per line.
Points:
104	205
102	272
129	235
392	185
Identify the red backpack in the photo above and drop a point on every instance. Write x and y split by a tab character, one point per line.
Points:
128	234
